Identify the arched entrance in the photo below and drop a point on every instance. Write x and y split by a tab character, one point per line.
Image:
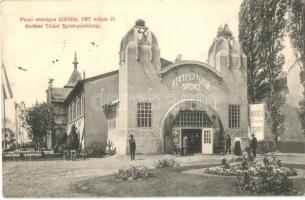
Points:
197	122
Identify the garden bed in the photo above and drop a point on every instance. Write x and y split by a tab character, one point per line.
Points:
241	165
168	182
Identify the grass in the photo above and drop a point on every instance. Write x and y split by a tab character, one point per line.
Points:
167	182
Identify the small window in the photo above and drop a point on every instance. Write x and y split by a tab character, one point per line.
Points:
192	118
144	114
234	116
207	138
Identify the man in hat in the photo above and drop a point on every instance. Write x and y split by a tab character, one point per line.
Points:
132	147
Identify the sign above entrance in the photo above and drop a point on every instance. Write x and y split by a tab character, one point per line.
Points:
191	82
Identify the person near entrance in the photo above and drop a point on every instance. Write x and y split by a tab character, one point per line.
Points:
237	148
184	145
228	144
132	147
254	145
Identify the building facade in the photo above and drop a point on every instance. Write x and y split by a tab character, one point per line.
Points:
160	102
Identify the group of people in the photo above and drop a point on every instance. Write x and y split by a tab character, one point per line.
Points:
237	147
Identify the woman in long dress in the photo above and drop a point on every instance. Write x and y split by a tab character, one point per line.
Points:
237	148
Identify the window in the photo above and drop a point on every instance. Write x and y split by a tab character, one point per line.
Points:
69	115
234	116
79	107
70	111
76	108
82	105
207	138
73	110
144	114
192	118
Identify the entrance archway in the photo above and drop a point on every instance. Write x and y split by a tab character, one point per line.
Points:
197	117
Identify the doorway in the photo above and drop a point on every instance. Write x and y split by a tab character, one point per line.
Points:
194	140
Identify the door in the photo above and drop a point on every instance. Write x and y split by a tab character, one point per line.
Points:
207	141
193	140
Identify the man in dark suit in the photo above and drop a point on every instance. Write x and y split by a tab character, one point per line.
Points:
228	144
132	147
254	145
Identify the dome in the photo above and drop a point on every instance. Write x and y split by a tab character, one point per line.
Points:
140	34
226	51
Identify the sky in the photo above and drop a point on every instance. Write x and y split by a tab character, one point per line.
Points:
185	27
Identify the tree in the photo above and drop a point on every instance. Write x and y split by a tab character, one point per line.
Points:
276	117
73	141
249	37
261	34
297	37
40	118
262	26
224	31
297	30
61	141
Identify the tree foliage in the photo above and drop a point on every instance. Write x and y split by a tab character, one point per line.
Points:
224	31
73	140
261	34
297	37
276	116
40	118
262	25
61	141
297	30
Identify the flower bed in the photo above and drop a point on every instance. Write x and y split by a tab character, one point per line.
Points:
134	173
167	162
241	165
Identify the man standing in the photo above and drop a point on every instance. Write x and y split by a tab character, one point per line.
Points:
132	147
228	144
184	145
254	145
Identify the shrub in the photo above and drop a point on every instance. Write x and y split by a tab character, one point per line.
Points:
21	156
95	149
167	162
263	147
224	161
249	153
270	178
239	166
134	173
267	183
110	148
72	140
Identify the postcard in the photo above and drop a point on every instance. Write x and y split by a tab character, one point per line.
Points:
148	98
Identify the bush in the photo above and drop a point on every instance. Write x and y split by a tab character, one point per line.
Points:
134	173
239	166
21	156
249	153
95	149
110	148
167	162
72	140
270	179
263	147
267	183
224	161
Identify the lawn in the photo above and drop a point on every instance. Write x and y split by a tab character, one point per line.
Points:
167	182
